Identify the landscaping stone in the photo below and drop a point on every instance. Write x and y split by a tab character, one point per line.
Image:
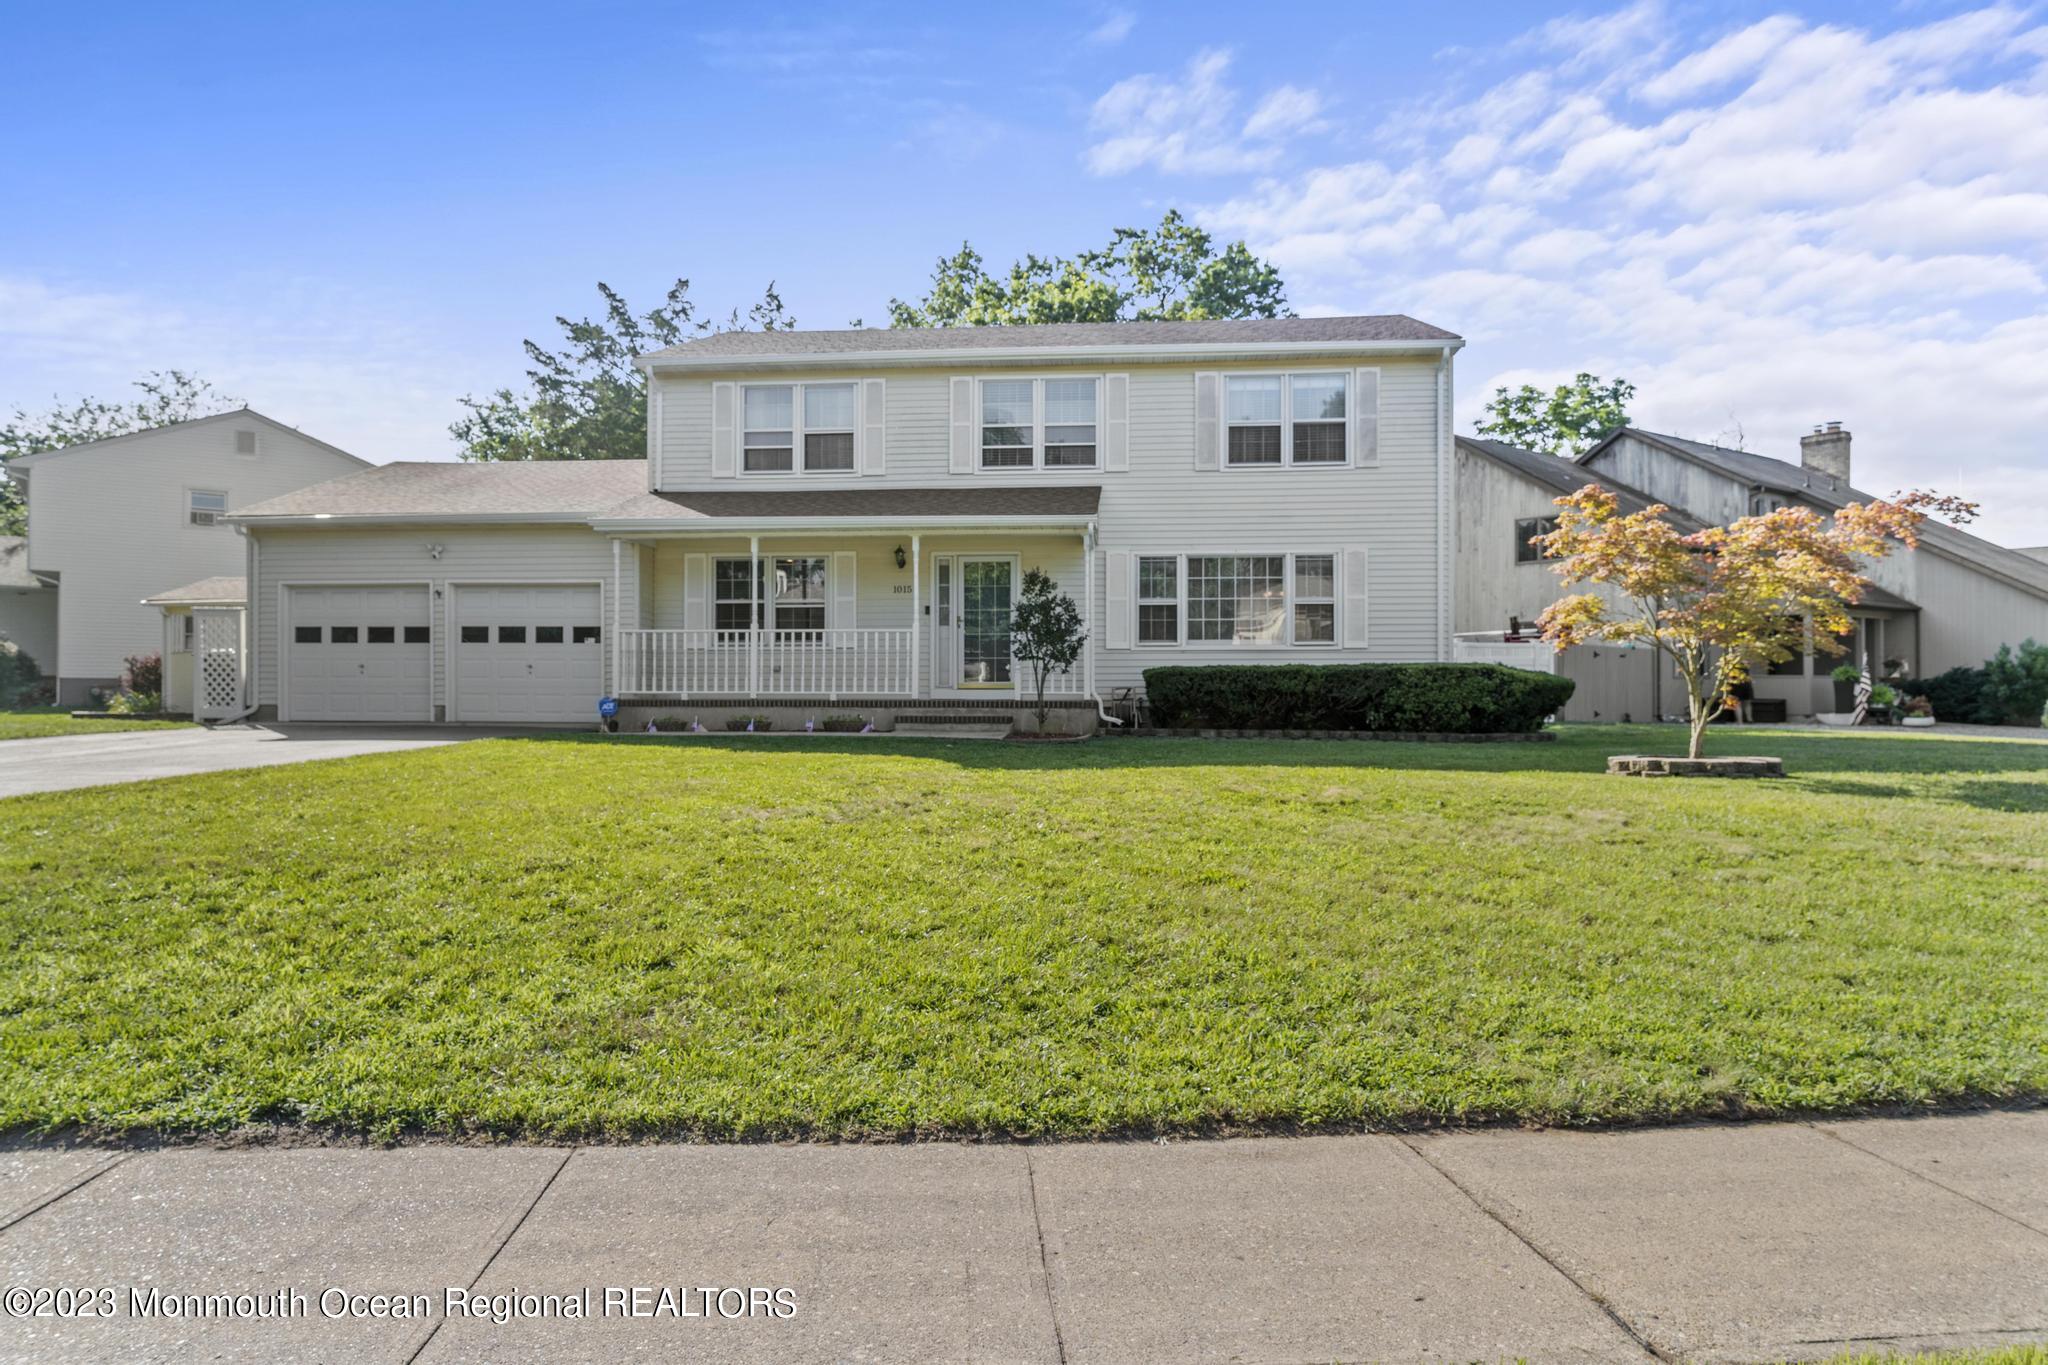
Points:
1652	765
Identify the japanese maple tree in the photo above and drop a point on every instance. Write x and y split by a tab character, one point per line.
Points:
1722	601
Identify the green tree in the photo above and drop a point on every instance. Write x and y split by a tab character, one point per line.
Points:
1173	272
1565	421
586	401
1045	632
167	396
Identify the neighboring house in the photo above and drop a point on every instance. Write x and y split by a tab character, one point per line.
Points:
28	606
112	522
841	520
1950	603
1505	496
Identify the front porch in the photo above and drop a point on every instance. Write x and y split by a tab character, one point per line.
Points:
836	610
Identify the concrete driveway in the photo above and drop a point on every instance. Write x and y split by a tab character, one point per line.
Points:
66	761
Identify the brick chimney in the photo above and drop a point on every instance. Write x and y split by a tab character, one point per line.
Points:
1826	452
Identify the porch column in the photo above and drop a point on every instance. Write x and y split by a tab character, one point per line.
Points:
916	607
1088	608
754	615
166	699
617	616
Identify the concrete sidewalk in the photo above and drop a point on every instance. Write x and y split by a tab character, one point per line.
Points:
62	762
1757	1242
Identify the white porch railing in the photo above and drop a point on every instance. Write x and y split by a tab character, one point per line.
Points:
765	663
1487	647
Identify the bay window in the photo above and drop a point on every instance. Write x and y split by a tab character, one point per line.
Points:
1286	419
778	420
1039	423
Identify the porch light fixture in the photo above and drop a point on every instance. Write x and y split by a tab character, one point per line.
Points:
901	558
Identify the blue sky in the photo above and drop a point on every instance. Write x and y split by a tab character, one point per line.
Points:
1766	217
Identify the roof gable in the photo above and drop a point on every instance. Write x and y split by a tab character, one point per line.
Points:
233	415
1554	472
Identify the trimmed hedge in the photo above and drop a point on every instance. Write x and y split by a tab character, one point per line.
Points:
1463	699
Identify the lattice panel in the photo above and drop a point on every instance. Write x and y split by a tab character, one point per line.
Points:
217	653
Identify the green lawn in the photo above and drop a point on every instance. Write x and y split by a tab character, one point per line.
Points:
43	721
729	936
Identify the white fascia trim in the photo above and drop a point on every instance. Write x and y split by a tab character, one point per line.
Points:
413	519
727	526
1048	355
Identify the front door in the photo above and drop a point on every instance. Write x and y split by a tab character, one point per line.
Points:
987	592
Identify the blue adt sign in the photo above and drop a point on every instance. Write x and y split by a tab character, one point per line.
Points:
607	707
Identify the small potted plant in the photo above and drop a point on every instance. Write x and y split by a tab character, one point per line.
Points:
1884	701
1919	713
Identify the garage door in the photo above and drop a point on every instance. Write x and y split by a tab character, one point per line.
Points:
359	654
528	654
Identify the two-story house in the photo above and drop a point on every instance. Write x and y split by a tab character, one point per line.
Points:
112	522
840	520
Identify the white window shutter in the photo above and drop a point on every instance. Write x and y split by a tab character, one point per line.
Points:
963	425
1116	422
696	592
1354	609
845	595
1208	420
874	426
725	439
1365	418
1118	609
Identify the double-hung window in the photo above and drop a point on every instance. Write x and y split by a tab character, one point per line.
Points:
1158	600
790	594
1237	599
779	420
1272	420
1039	423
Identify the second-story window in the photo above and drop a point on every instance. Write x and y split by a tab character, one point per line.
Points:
781	419
769	440
1527	551
205	507
1285	419
1039	423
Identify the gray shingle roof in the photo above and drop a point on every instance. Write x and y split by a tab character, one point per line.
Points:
565	490
225	588
1393	327
1045	500
1785	477
1553	471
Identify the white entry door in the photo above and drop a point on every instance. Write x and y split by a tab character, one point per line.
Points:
531	653
359	654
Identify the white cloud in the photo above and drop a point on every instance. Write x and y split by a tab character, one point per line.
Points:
1787	223
328	362
1114	29
1189	125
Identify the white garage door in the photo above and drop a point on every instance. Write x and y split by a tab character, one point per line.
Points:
359	654
528	654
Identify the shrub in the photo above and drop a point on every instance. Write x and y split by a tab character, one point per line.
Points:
2016	683
1958	696
21	682
142	673
843	725
136	703
751	722
1446	698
